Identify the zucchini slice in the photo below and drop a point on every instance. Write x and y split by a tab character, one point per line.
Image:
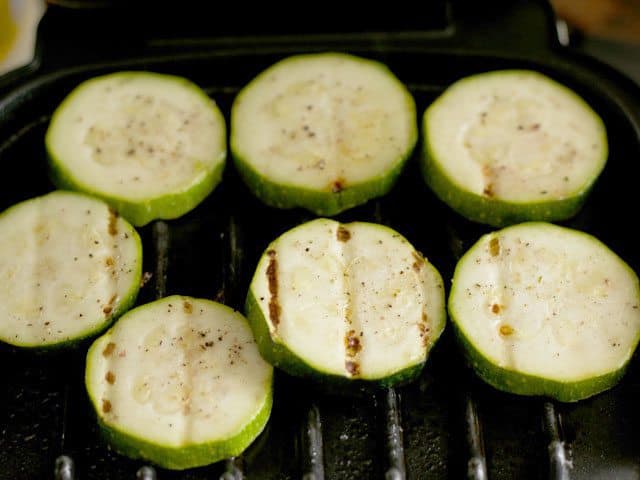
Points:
348	302
546	310
325	132
179	382
68	267
510	146
151	145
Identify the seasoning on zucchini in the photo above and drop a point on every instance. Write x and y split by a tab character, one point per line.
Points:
179	382
510	146
346	301
151	145
69	265
546	310
325	132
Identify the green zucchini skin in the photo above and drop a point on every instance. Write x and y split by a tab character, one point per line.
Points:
185	457
325	202
322	203
275	349
278	355
495	211
190	455
492	211
520	383
168	206
127	301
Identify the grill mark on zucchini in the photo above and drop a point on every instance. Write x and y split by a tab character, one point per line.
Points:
342	234
498	304
272	279
113	222
423	327
352	343
353	368
418	261
337	186
494	247
108	350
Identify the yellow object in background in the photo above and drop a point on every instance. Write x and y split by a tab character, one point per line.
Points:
18	24
7	29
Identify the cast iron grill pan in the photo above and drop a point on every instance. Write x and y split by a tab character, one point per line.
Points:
445	425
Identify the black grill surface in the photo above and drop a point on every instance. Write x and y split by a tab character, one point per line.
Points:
445	425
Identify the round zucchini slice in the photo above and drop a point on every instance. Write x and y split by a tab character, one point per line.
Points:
546	310
69	265
325	132
346	302
511	146
151	145
179	382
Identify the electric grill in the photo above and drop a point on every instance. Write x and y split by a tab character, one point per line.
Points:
445	425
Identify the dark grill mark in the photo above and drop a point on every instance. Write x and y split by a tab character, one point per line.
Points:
424	329
337	186
495	308
108	308
106	406
110	378
506	330
352	367
419	261
113	222
352	343
343	234
188	308
494	247
108	350
488	191
272	278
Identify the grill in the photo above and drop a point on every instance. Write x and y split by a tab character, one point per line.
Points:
445	425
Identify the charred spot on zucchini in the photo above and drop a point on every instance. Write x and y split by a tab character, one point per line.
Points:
325	132
510	146
187	387
64	275
361	304
151	145
550	312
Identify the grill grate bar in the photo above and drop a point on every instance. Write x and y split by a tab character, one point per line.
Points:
397	469
227	294
146	473
160	232
233	469
477	464
559	461
313	461
65	468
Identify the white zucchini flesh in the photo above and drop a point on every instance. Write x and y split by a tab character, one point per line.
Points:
548	302
324	122
516	136
68	266
181	380
137	136
353	300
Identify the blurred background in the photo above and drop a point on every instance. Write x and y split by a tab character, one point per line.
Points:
607	29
